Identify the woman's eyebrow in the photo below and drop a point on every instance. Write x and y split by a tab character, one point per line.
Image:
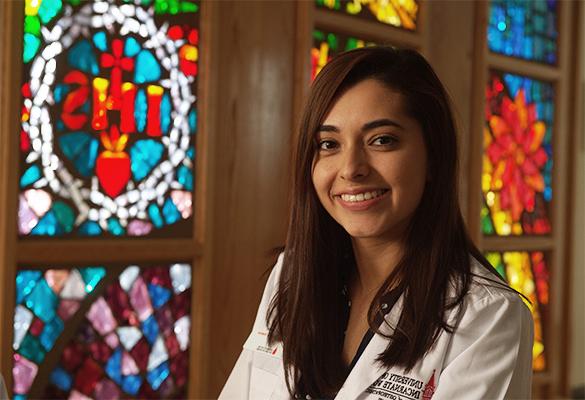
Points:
380	122
328	128
366	127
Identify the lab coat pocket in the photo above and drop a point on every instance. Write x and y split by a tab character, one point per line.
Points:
262	384
264	375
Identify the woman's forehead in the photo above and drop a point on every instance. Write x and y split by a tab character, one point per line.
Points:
366	102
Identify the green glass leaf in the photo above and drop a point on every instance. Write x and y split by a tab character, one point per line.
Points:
486	222
333	42
187	7
64	215
32	25
318	35
351	44
174	7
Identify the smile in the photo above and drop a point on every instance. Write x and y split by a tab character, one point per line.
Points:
356	198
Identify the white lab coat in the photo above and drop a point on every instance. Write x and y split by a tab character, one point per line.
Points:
489	355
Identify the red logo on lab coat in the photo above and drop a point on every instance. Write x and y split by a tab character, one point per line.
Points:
429	388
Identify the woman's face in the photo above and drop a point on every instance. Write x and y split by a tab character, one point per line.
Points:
370	168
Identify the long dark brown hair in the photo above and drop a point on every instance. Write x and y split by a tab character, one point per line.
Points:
307	313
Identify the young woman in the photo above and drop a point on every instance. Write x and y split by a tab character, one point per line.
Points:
380	293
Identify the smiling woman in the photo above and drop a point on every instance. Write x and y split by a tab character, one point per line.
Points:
370	170
380	291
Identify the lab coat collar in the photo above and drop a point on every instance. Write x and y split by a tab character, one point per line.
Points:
367	370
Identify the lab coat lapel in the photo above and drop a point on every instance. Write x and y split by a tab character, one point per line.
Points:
367	370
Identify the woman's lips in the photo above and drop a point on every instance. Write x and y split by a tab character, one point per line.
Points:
361	201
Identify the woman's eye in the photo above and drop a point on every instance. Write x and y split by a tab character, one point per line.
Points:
327	145
384	140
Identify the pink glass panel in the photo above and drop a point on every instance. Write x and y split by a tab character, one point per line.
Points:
101	317
56	279
24	372
67	308
139	228
129	366
140	299
106	390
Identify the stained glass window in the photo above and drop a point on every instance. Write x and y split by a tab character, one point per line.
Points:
328	44
108	116
527	272
524	29
127	332
399	13
517	159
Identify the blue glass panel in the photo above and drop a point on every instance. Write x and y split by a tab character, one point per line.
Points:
92	276
115	227
100	41
81	56
140	110
158	294
150	329
145	155
82	149
25	283
31	348
48	9
131	47
42	301
61	378
50	333
48	225
131	384
90	228
60	91
30	47
165	113
524	29
193	121
30	176
158	375
114	366
155	215
170	212
147	68
185	177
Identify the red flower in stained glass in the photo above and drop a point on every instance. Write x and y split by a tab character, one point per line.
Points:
516	154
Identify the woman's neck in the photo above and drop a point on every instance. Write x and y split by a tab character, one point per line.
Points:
375	261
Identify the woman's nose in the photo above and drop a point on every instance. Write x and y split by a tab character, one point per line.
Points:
354	164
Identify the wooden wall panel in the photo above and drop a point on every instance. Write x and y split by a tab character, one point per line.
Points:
575	377
449	48
255	61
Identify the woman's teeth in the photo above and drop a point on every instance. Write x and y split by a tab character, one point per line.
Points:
353	198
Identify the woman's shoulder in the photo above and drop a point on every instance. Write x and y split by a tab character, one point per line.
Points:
270	290
274	277
487	291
